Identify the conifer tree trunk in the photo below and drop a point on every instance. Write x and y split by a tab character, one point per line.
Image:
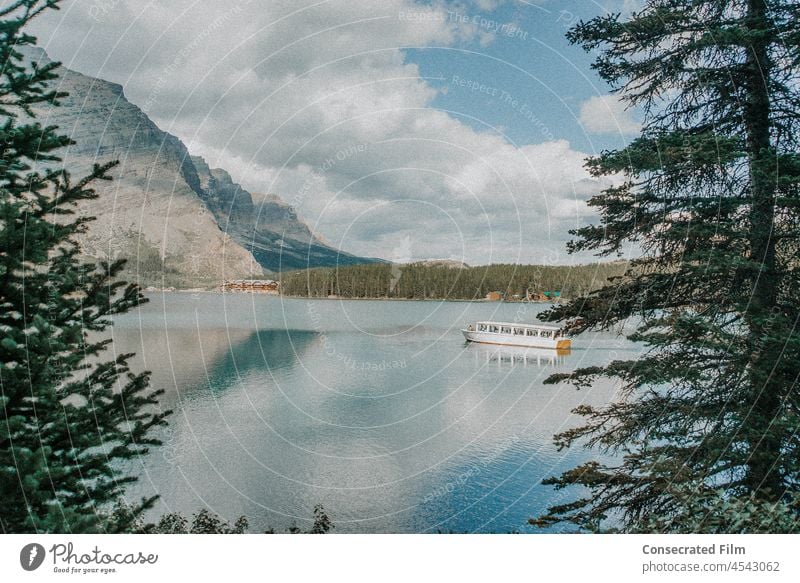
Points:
762	474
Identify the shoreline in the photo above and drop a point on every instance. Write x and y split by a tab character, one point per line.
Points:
384	299
339	298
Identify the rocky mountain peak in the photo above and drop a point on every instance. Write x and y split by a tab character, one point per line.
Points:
178	221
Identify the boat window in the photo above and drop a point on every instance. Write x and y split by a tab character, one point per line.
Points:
519	331
493	329
505	330
482	328
545	333
530	332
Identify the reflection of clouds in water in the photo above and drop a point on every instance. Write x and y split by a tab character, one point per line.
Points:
267	424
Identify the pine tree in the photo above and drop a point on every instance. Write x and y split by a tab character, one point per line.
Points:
709	413
69	418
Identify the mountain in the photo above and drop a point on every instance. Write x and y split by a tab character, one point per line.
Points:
177	221
265	225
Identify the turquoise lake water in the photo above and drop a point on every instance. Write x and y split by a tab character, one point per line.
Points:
378	410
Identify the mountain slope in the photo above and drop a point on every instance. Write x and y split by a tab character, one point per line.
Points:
265	225
177	221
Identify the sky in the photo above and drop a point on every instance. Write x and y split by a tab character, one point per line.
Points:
399	129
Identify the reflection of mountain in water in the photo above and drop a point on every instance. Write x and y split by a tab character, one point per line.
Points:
515	355
185	361
258	356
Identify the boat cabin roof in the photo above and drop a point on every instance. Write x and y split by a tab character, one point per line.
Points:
518	325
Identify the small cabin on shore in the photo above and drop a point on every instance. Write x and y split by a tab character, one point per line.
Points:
494	296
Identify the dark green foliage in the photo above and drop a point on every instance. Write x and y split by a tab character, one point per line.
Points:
204	522
68	418
322	522
421	281
713	511
126	518
708	416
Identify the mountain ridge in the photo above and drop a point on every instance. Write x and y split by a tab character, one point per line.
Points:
270	229
177	221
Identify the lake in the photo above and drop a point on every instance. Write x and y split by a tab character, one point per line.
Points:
378	410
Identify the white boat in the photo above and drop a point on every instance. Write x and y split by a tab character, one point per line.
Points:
511	334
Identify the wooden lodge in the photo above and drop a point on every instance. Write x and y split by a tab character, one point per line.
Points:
528	296
268	286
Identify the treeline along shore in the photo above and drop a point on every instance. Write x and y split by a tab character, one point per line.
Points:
423	281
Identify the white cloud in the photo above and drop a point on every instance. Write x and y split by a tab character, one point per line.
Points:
606	114
317	103
626	7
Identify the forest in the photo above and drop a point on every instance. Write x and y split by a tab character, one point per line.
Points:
421	281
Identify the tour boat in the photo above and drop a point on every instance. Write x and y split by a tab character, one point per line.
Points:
510	334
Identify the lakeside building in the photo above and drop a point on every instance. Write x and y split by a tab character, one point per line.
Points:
251	285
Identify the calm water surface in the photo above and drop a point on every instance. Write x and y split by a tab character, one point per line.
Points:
378	410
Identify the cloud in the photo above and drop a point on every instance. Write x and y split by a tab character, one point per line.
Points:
606	114
318	103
